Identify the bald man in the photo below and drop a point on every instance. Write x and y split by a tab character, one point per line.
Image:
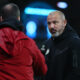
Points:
62	50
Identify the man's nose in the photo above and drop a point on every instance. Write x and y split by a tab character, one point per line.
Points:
52	25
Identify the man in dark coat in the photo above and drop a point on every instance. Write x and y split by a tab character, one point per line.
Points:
62	50
20	58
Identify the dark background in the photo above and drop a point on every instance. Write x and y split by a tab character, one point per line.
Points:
72	12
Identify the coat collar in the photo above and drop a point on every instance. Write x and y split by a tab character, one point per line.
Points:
12	23
68	32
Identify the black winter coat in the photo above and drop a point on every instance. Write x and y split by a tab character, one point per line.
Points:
63	56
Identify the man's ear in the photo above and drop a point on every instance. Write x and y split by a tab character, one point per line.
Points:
65	22
1	19
19	18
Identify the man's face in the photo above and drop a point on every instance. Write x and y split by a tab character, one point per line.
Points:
56	24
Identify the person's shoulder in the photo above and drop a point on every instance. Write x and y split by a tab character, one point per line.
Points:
75	41
74	37
22	36
46	44
47	41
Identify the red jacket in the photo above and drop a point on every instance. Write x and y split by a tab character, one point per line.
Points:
20	58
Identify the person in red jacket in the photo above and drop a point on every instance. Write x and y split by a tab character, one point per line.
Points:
20	57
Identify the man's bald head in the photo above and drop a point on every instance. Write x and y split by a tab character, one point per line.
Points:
59	13
10	10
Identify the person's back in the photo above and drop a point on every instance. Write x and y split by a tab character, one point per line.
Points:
20	58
